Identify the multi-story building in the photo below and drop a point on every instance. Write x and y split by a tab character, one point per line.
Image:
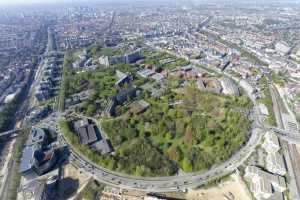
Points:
263	184
271	143
229	87
275	163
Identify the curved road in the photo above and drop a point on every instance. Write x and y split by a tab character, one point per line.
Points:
171	183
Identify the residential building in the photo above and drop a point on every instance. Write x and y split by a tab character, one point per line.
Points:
282	48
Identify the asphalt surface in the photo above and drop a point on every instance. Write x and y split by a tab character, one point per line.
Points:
294	180
7	182
162	184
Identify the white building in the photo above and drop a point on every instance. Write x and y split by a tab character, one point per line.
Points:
263	109
263	184
290	123
282	48
249	89
259	184
271	143
229	87
103	60
275	163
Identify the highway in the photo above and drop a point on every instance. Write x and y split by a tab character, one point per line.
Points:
171	183
161	184
164	184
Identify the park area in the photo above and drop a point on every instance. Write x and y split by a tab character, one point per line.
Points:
205	129
183	129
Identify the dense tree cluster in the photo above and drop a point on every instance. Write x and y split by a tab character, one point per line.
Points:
206	129
137	157
8	111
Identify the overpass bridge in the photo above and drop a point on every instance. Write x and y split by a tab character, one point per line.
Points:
10	133
291	137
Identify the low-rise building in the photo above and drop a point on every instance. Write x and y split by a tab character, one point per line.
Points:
263	184
138	107
90	135
263	109
282	48
271	143
145	73
229	87
275	163
87	134
39	113
123	78
290	123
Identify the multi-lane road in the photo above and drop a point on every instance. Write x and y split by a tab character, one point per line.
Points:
157	184
162	184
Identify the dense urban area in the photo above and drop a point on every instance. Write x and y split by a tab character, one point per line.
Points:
157	100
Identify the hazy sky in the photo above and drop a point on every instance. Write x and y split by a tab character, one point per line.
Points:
20	2
14	2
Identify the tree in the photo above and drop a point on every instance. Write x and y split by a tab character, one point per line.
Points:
187	165
188	136
90	109
174	153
